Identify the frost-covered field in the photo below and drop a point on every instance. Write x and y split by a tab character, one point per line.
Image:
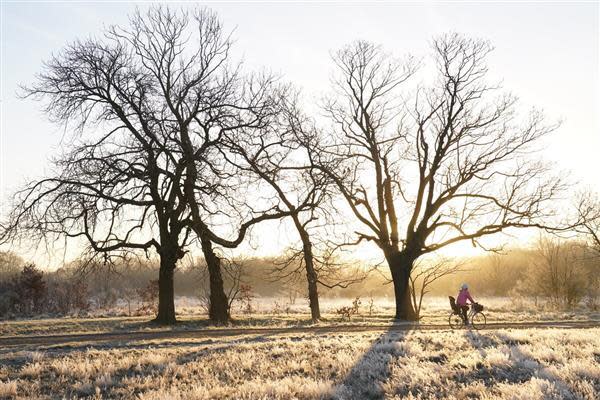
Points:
502	364
275	312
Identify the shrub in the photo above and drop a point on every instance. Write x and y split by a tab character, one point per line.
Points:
246	298
31	290
347	311
148	298
68	295
8	298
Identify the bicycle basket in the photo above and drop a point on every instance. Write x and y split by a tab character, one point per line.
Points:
477	307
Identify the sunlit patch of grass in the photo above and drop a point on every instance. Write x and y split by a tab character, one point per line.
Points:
32	370
8	389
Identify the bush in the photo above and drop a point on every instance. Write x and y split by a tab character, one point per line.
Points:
8	299
246	298
31	290
592	291
29	293
66	296
148	298
347	312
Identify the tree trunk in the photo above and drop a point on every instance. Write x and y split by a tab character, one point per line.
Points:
166	291
400	264
218	310
311	276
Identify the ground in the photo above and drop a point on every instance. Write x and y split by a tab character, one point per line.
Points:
191	316
366	359
503	364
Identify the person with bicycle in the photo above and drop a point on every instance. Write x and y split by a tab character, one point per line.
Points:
461	301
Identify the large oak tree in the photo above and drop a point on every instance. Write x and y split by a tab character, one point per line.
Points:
451	162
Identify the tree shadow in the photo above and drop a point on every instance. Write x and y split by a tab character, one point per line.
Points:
540	368
365	378
184	323
480	342
522	367
222	346
144	344
181	324
490	375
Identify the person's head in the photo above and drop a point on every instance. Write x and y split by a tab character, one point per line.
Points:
464	286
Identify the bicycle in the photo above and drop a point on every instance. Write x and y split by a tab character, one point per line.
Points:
476	317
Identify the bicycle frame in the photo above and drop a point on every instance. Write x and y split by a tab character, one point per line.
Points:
470	317
471	313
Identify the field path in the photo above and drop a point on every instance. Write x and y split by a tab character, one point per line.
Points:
225	332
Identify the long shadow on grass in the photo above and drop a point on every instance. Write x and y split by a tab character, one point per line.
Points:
522	359
64	349
195	323
366	377
521	369
484	372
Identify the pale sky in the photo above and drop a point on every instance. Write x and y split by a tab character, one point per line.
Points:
546	53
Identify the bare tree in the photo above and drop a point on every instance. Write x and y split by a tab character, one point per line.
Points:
186	57
588	209
329	271
205	101
454	163
10	265
281	157
116	187
232	271
424	274
163	94
557	271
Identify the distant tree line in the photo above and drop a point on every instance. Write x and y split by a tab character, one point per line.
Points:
554	273
27	291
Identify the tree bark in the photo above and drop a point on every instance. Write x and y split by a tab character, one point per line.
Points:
166	291
400	264
311	276
311	273
218	310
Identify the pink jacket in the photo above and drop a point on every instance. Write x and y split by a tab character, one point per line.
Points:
463	296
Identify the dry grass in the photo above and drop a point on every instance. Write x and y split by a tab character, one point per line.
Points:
503	364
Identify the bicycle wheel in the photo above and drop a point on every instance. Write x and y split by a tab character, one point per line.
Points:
455	321
478	320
